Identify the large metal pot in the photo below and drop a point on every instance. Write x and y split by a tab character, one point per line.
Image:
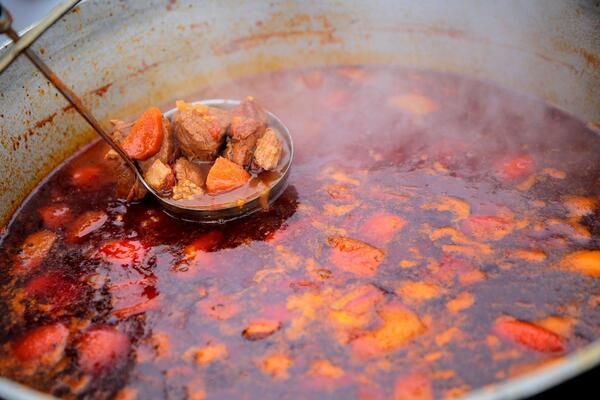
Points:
126	55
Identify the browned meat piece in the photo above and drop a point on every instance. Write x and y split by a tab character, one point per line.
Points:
247	125
160	176
200	130
127	185
268	150
189	180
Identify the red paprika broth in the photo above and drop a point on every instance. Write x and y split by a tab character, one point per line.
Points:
438	234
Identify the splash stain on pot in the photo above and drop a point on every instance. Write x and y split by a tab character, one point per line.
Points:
42	122
101	90
322	29
591	59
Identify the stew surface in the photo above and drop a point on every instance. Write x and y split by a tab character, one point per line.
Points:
438	234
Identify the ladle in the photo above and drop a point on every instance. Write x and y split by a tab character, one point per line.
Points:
215	213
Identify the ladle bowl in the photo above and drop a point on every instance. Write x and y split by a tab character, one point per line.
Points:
230	210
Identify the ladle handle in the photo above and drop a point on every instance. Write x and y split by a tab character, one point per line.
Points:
21	44
32	34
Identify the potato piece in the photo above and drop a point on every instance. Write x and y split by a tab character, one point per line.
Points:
268	150
160	176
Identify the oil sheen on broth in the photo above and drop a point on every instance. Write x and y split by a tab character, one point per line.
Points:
438	234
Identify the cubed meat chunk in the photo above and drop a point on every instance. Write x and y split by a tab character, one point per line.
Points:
160	176
200	130
189	180
268	150
247	126
225	175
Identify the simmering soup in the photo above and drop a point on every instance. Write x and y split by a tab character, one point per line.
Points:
438	234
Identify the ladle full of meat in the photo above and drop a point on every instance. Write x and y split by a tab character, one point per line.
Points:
164	154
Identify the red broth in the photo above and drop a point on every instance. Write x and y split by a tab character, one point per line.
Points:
438	234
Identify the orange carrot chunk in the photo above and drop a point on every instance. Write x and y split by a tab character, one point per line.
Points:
225	175
529	335
42	345
517	167
146	136
101	348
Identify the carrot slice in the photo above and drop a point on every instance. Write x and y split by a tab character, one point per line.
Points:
529	335
225	175
146	136
517	167
42	345
102	347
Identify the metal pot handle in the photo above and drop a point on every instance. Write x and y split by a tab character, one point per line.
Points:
32	34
